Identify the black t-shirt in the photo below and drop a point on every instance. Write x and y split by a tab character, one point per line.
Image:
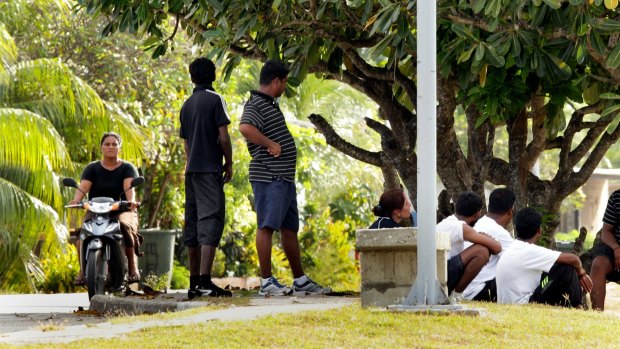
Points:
384	222
612	213
202	114
108	183
263	112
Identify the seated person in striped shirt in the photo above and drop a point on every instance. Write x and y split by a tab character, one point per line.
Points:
606	263
393	209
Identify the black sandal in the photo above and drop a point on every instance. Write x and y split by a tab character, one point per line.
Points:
132	279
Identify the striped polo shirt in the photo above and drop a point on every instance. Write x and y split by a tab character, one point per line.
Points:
263	112
612	213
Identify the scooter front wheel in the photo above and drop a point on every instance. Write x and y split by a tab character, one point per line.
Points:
95	273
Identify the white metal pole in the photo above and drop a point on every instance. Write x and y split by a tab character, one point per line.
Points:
426	290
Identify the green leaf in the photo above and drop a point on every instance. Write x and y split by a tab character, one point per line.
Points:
606	24
516	46
216	5
591	93
560	68
609	110
580	54
480	52
609	95
554	4
613	61
275	6
462	31
481	119
478	5
614	124
493	58
466	54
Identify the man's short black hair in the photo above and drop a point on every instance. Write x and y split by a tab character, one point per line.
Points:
271	70
527	223
468	203
202	71
501	200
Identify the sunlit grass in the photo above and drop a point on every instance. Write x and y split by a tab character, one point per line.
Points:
502	326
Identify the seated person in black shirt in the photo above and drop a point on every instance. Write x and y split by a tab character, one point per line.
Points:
394	207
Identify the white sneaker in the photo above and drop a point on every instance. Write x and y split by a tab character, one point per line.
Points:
274	288
310	287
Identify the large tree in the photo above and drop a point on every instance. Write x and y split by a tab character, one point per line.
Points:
506	65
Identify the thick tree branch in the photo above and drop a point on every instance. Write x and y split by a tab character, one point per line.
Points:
332	138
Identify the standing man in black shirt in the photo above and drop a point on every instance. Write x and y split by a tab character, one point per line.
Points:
606	263
204	129
272	174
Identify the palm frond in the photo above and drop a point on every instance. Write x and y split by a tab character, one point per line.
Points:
31	152
8	49
24	220
136	141
49	88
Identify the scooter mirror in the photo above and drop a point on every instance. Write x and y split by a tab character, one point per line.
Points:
137	181
69	182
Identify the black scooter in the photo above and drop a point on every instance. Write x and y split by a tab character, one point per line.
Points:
103	259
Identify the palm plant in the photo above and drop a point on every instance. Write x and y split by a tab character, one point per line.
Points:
46	114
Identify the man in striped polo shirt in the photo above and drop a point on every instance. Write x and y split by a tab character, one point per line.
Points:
606	263
272	174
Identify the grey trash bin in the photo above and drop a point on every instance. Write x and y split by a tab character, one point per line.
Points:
564	246
158	248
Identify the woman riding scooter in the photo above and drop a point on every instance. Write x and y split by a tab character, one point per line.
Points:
108	178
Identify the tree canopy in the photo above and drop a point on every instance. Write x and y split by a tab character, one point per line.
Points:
505	64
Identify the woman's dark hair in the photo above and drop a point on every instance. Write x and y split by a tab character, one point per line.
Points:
111	134
501	200
393	199
527	223
271	70
468	203
202	71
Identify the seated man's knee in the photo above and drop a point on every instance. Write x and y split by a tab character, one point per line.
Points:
482	252
600	267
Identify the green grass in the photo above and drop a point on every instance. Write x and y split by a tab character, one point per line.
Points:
530	326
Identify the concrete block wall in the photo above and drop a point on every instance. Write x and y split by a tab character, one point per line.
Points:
388	264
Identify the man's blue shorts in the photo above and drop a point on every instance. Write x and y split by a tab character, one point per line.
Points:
276	205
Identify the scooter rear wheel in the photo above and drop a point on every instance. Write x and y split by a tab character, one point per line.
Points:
95	273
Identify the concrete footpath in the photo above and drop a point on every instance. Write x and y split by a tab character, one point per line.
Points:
257	307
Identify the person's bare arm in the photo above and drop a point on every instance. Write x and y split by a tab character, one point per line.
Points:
471	235
226	146
574	261
253	135
85	186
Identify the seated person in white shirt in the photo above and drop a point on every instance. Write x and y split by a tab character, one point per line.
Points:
497	219
465	263
528	273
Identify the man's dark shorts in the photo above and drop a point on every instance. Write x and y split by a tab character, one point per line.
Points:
455	271
204	209
602	249
276	205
